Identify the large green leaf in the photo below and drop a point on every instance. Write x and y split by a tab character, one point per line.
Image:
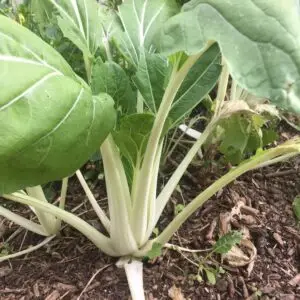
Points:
141	21
79	21
259	39
110	78
50	122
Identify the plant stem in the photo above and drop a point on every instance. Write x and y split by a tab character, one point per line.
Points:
169	188
233	90
144	187
27	224
222	88
100	240
88	68
63	193
48	221
99	212
221	183
29	250
119	200
140	104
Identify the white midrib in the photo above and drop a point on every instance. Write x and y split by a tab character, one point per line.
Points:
29	90
141	24
65	117
152	20
74	5
37	57
75	8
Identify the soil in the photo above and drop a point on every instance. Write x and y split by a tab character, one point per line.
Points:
63	268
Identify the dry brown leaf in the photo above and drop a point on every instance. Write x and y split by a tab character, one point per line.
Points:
175	293
237	257
5	271
295	281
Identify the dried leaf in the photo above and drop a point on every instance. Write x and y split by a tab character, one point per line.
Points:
295	281
236	257
5	271
175	293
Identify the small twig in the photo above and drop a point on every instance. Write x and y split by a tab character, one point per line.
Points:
91	280
179	249
29	250
210	233
250	210
282	173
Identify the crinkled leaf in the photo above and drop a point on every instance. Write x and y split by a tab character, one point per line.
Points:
259	39
141	20
227	241
155	251
50	122
79	21
132	136
110	78
296	207
242	135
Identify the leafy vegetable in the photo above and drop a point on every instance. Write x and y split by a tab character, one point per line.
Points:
53	120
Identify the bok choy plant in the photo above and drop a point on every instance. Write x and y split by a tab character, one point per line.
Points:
147	66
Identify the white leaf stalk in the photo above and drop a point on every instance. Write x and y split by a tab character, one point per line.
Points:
49	224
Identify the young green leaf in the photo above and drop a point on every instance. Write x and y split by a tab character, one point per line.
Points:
150	78
211	276
141	20
227	241
260	41
50	122
155	251
80	23
110	78
296	207
132	136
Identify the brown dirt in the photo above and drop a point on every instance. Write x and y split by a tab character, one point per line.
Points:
61	269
